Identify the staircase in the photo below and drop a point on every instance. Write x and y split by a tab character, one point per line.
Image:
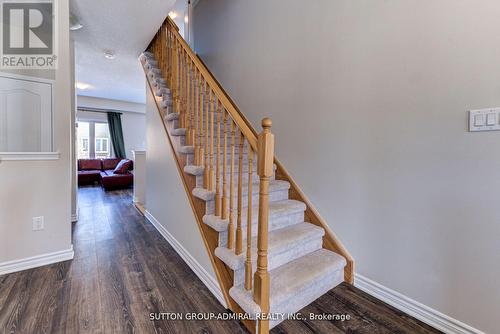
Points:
271	251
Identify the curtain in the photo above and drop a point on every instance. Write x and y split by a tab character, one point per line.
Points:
116	133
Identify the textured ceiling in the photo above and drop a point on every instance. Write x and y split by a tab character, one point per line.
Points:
124	26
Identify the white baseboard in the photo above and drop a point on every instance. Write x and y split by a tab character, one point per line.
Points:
36	261
207	279
409	306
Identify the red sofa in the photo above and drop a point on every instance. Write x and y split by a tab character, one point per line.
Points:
91	171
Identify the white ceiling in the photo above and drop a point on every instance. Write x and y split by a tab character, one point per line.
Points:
124	26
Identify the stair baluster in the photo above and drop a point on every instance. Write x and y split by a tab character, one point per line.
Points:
239	232
159	50
230	228
198	118
188	101
201	152
265	170
180	83
248	262
206	172
163	49
218	198
224	167
185	99
169	60
195	118
193	110
182	89
176	78
212	112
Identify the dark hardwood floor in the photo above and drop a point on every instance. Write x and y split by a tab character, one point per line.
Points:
123	270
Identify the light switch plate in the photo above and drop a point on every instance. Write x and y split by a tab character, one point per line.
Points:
38	223
484	120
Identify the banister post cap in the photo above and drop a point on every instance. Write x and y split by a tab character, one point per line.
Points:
267	123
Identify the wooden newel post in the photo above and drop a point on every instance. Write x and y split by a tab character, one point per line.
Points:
265	151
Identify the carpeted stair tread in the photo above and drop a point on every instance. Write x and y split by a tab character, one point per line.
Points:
297	283
276	209
274	185
283	242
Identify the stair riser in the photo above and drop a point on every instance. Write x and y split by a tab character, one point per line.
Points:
179	141
276	260
199	179
228	152
316	289
275	223
244	162
173	124
273	196
221	144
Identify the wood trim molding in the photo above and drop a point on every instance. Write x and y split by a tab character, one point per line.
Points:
36	261
410	306
207	279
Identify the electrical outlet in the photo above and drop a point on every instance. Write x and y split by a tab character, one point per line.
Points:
38	223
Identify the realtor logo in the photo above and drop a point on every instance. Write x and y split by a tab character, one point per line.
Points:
27	35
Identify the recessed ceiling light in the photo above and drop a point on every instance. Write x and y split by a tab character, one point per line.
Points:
172	14
74	23
82	85
109	54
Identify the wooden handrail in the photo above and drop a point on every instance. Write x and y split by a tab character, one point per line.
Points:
219	93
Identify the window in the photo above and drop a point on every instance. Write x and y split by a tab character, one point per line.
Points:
83	133
85	144
93	140
102	138
101	146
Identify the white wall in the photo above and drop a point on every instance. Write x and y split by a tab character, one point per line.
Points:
133	119
41	188
166	198
368	100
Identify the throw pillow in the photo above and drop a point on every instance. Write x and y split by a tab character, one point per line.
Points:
123	166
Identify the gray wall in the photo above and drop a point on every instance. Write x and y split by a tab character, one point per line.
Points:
369	102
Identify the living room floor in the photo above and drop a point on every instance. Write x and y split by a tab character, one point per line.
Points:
123	269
